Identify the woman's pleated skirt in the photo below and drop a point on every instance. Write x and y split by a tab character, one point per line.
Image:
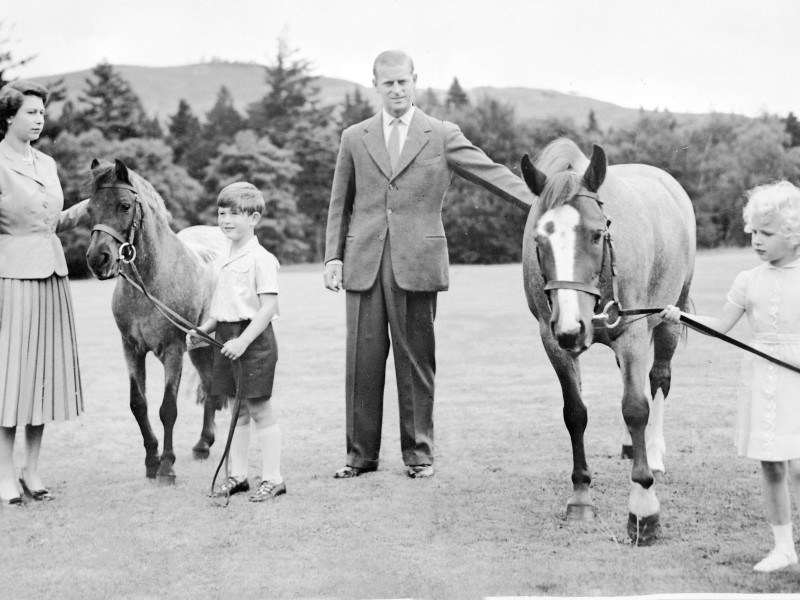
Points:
39	372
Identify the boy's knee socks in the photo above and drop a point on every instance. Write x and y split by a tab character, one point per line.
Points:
270	439
240	444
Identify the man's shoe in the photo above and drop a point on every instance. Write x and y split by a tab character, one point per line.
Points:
267	490
776	560
348	472
231	486
420	471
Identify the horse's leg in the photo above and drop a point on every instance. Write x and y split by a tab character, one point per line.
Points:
567	368
643	505
203	359
625	438
138	404
665	341
172	359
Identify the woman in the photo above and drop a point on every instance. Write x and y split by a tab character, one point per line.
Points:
39	378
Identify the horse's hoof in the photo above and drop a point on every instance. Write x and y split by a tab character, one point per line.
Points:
151	471
581	512
627	452
659	477
643	531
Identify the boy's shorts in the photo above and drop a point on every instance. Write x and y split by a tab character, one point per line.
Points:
257	363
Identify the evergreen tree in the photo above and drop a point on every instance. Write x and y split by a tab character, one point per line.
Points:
356	109
113	107
184	132
591	126
429	102
7	60
792	126
456	97
223	121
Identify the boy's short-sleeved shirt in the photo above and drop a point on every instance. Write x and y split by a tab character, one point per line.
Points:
242	276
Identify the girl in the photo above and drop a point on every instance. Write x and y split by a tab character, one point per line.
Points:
768	423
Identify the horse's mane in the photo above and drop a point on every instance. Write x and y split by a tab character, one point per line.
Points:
104	174
564	164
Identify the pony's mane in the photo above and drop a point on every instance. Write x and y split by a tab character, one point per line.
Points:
104	174
564	164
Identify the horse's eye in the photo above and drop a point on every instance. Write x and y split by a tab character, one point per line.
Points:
597	236
124	207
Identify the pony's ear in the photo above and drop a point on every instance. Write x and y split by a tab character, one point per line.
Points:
95	164
121	171
532	176
596	173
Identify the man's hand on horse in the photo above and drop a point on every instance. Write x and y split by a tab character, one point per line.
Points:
234	348
333	276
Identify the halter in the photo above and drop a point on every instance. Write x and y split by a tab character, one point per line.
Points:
589	288
127	251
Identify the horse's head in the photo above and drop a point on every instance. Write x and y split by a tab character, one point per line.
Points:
115	213
569	232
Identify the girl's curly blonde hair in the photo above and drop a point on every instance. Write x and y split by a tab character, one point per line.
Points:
781	200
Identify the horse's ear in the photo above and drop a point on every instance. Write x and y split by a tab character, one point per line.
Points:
121	171
95	164
532	176
596	173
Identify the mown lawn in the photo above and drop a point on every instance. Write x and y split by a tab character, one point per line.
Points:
490	523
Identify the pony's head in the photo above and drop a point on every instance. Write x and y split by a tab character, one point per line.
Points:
116	214
569	232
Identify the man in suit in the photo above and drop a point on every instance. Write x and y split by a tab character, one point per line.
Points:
386	247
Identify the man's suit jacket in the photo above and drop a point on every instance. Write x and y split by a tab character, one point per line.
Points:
368	201
31	200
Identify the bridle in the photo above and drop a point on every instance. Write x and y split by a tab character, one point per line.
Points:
590	288
127	251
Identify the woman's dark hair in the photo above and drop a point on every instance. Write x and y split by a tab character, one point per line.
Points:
12	95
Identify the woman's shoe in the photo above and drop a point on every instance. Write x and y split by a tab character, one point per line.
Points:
12	501
268	490
777	560
38	495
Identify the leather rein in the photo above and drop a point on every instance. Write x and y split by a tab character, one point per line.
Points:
589	288
127	255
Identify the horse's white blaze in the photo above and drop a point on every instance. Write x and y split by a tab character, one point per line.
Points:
558	225
643	502
654	434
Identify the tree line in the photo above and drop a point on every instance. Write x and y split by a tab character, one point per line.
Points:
286	144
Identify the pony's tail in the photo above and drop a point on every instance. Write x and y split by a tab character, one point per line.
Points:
190	383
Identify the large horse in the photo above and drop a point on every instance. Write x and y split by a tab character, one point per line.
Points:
571	268
174	268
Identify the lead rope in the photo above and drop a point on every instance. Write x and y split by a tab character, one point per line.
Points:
186	326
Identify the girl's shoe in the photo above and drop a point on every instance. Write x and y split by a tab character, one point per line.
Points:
17	501
268	490
231	486
777	560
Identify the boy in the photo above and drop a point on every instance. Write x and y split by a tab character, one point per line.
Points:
244	304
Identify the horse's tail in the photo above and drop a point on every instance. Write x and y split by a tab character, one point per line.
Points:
687	307
191	383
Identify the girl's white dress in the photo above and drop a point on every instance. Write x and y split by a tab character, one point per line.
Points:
768	421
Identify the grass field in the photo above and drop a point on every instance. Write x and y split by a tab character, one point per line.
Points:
490	523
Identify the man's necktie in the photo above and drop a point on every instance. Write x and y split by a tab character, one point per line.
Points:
394	144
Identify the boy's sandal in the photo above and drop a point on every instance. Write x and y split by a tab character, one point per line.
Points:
232	486
268	490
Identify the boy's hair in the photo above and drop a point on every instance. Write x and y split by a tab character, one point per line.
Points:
242	197
13	95
781	200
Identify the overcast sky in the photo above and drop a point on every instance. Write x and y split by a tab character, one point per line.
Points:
682	55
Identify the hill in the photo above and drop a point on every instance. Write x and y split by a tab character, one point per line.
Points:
161	88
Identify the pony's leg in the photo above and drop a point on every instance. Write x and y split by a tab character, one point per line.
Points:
138	403
665	341
203	360
172	359
567	368
643	505
625	438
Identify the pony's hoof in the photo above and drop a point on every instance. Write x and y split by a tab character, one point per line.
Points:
658	476
627	452
200	451
151	471
166	480
643	531
581	512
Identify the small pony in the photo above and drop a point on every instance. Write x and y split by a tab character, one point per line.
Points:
571	267
130	223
